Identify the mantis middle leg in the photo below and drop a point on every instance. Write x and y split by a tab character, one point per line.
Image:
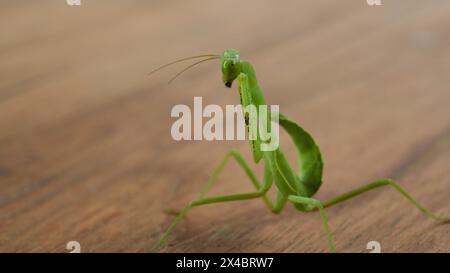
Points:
314	204
201	200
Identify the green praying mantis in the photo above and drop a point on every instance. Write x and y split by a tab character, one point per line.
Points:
297	188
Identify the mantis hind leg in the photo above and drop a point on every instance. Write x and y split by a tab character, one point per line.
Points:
310	204
380	183
201	200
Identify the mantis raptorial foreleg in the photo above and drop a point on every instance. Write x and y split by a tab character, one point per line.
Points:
298	187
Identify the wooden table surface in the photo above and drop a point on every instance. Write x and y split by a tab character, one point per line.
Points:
86	152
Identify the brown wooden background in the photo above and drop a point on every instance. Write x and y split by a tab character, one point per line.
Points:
85	146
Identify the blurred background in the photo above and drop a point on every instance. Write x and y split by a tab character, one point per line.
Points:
85	147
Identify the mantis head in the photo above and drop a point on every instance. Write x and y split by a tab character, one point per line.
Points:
230	66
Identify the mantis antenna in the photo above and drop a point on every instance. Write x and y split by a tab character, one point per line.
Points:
182	60
295	187
190	66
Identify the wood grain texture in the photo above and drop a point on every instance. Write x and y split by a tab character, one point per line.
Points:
85	146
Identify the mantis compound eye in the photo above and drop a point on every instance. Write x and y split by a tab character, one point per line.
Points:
230	55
